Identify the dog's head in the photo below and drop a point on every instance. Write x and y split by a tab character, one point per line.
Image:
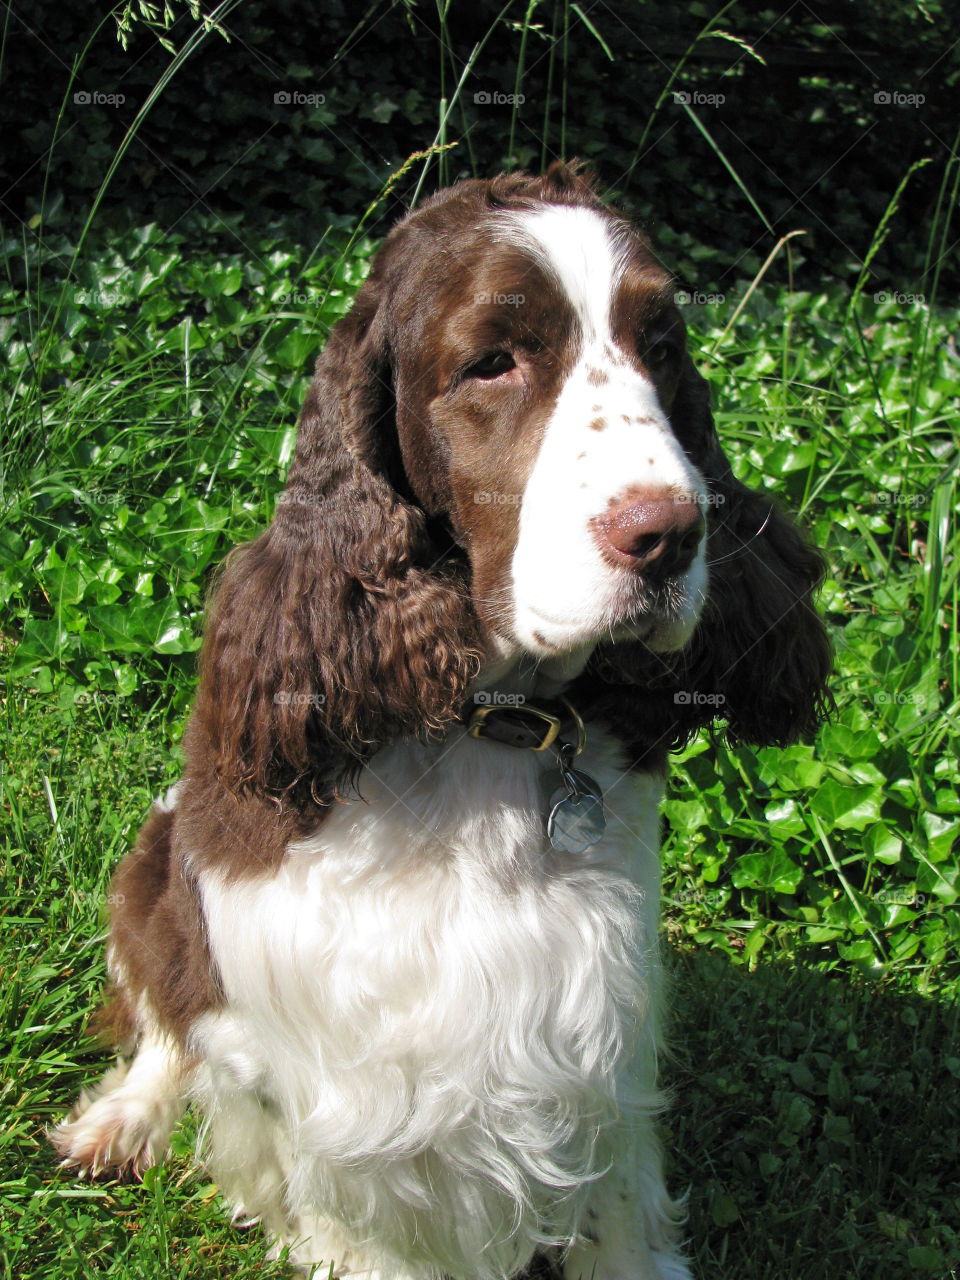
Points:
507	452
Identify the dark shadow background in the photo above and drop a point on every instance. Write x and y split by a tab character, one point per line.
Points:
853	1084
821	133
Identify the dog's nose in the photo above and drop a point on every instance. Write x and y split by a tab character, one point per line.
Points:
657	534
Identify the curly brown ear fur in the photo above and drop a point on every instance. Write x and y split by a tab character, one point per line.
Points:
760	657
334	632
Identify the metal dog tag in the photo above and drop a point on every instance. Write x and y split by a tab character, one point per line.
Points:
575	822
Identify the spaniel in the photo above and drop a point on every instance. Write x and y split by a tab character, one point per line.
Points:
394	933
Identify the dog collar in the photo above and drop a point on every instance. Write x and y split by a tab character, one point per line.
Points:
573	813
527	725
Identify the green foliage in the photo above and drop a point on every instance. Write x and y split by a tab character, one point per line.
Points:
844	850
151	429
149	432
156	344
813	1119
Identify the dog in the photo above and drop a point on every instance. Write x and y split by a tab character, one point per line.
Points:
394	932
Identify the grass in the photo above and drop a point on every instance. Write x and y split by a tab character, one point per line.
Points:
815	1122
810	894
149	386
814	1117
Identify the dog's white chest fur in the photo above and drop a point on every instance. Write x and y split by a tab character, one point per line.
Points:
431	1001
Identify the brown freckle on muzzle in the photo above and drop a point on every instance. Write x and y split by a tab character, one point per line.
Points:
597	377
598	424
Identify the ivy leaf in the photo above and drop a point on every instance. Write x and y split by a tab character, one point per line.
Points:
770	871
846	806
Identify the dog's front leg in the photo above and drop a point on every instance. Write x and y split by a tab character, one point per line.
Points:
631	1224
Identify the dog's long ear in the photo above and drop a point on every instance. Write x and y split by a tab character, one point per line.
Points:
335	632
760	657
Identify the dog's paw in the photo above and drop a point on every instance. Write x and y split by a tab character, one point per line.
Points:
123	1125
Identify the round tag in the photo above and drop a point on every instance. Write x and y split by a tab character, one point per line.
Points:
576	822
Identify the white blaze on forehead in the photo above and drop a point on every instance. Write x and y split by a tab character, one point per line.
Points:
579	248
607	435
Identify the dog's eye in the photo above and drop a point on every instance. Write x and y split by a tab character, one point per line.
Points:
493	365
659	354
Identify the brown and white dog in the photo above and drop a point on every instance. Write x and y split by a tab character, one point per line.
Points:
421	1030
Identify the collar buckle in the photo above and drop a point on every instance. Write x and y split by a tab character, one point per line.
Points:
524	725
